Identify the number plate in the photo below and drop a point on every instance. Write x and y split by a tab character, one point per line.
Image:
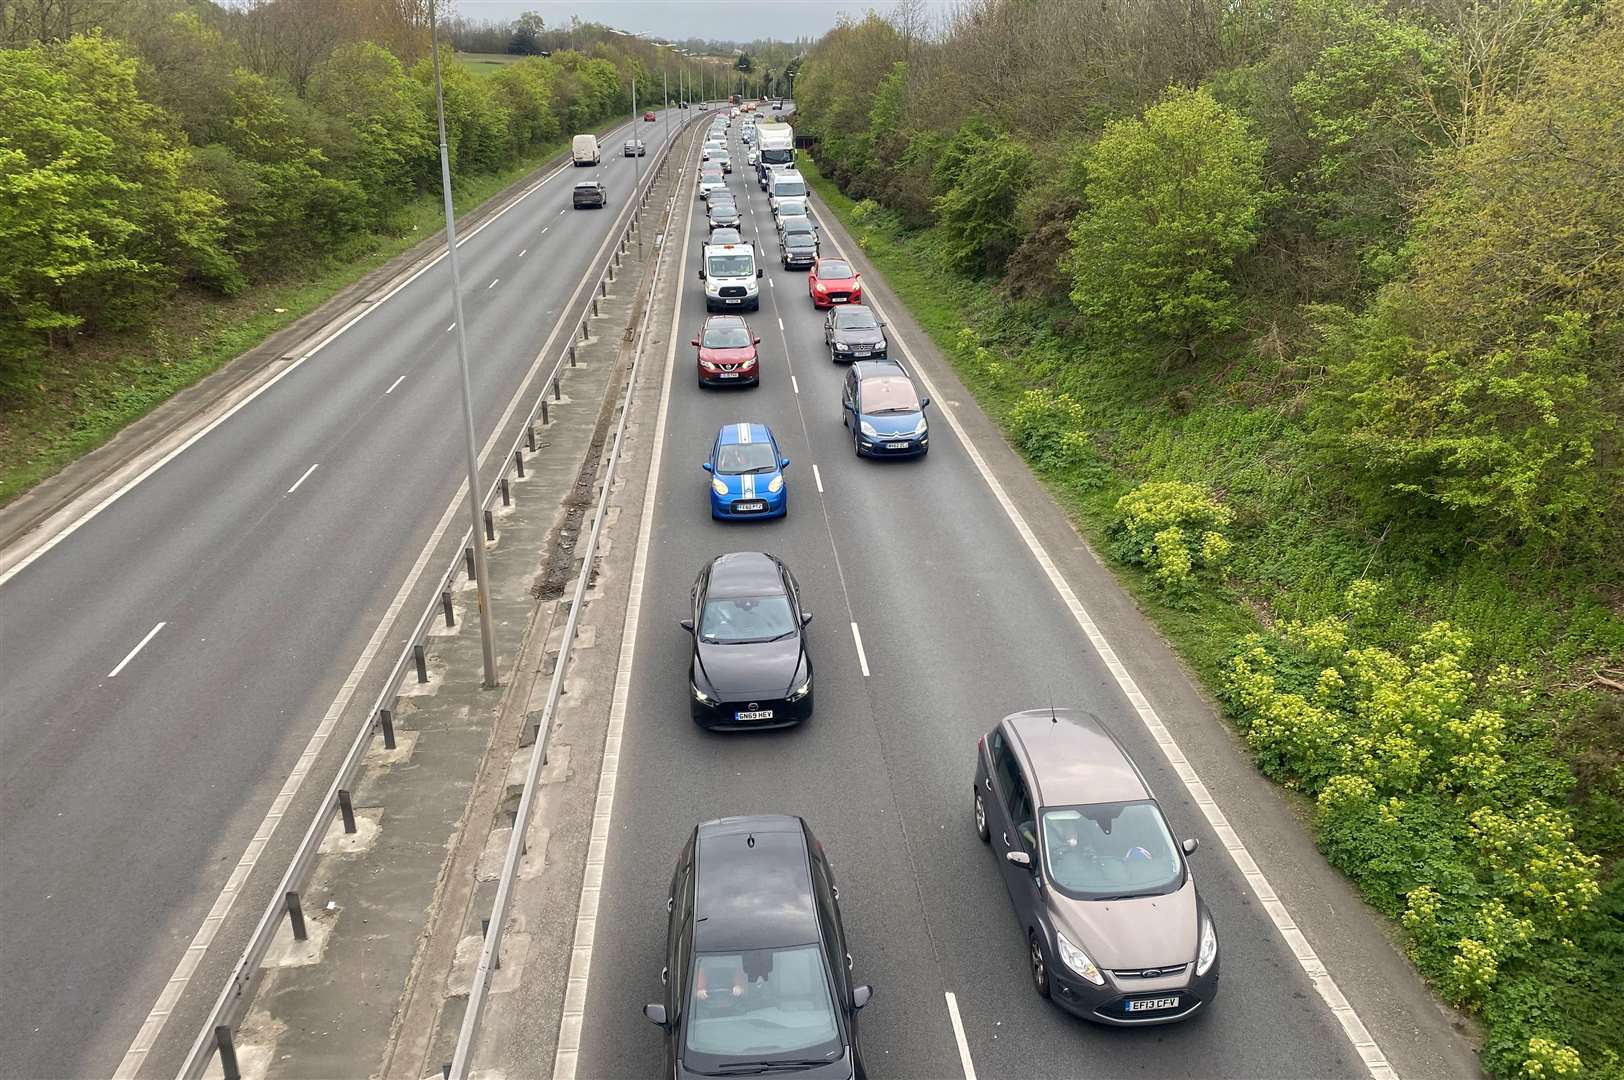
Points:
859	352
758	714
1139	1005
727	374
746	507
896	446
731	300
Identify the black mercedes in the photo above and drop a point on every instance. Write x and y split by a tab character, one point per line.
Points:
750	667
853	333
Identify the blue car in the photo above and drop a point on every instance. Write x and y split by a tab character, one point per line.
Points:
747	474
885	413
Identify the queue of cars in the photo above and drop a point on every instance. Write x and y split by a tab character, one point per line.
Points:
757	976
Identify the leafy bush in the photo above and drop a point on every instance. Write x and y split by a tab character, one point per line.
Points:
1174	530
1437	796
1049	428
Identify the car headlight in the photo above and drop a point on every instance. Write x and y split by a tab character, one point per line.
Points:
700	695
841	346
1207	951
776	484
868	429
802	689
718	486
1078	960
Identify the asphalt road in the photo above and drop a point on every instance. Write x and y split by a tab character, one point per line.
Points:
125	800
959	626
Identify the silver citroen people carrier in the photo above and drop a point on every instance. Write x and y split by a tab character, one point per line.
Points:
1115	929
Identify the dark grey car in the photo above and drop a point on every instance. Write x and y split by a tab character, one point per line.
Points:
853	333
798	244
589	193
1115	929
722	213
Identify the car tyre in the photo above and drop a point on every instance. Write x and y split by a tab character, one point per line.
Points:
980	818
856	442
1038	964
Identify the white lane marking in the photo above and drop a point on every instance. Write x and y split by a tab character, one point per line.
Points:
522	251
817	478
781	324
771	284
303	478
561	213
450	328
158	1016
68	530
958	1037
544	229
567	1051
1353	1027
492	285
796	386
394	384
862	657
139	646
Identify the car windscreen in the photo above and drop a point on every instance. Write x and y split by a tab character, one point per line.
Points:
729	335
755	457
725	266
733	620
855	318
758	1005
782	188
834	268
1110	849
798	227
883	396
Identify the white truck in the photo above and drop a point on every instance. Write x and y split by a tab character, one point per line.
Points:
584	150
776	145
730	272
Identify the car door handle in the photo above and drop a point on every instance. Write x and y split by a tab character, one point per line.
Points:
665	975
986	782
1006	839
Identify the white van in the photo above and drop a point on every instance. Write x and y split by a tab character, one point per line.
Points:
584	150
784	185
730	272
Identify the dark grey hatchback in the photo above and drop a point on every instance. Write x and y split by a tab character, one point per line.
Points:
750	667
757	977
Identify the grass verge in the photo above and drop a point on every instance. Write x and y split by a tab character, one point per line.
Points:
1466	779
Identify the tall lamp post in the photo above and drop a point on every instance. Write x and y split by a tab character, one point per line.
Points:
487	639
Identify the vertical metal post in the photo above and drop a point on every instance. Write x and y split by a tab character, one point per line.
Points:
386	720
544	419
445	605
490	526
469	555
421	659
518	455
487	639
507	499
228	1053
346	810
530	435
557	394
296	917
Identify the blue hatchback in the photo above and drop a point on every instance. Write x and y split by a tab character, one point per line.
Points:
747	474
885	413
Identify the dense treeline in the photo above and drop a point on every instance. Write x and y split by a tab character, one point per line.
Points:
157	144
1340	285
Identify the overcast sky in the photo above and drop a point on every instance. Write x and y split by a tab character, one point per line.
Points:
722	20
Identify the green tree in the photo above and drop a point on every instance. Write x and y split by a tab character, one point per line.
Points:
388	146
476	121
526	37
977	214
1173	199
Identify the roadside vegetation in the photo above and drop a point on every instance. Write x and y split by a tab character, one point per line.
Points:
179	179
1312	315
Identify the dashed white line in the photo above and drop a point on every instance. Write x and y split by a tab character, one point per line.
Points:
817	477
771	284
139	646
544	229
780	324
561	213
394	384
492	285
303	478
450	328
522	251
958	1037
862	657
794	385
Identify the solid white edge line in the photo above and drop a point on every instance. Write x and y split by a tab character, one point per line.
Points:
74	526
862	657
817	477
1353	1027
158	1016
958	1036
139	646
572	1015
303	478
394	384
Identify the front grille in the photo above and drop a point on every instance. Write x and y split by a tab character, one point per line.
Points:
1152	973
731	290
839	297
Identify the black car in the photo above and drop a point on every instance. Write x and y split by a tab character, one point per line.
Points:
853	333
798	243
722	213
757	975
750	667
589	193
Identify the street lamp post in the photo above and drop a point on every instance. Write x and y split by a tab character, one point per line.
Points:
637	164
476	535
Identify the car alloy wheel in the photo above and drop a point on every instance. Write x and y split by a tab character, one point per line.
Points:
856	443
981	821
1040	968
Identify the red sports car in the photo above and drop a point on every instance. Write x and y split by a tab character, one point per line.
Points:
834	281
649	117
727	352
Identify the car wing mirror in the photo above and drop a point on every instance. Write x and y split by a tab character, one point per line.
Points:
1019	858
655	1013
701	278
695	341
708	467
1190	845
923	402
860	996
806	617
783	463
686	624
756	341
759	271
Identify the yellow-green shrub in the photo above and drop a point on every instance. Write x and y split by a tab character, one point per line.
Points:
1174	530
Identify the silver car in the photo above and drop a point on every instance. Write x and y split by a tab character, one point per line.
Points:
1115	929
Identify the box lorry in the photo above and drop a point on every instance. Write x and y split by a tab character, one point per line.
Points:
776	145
584	150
